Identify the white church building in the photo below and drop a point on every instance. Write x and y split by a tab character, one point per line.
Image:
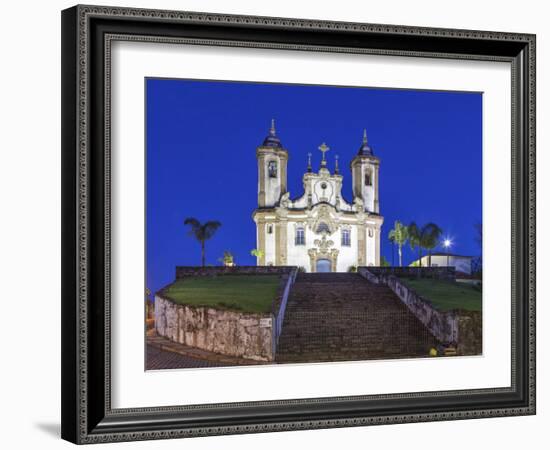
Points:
319	230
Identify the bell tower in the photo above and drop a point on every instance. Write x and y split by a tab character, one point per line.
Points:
272	175
364	170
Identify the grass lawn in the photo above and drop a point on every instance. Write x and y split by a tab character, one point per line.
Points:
246	293
446	295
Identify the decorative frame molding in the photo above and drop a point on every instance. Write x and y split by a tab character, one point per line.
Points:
87	34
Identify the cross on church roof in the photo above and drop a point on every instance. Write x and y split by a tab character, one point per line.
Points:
324	148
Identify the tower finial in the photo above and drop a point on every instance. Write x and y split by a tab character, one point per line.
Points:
271	140
365	149
336	171
309	162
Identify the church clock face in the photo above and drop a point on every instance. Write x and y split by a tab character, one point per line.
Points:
323	191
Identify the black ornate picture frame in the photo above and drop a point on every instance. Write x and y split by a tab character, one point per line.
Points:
87	34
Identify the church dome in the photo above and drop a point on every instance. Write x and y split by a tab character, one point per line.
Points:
365	149
272	139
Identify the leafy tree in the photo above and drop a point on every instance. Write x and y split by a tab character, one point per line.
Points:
149	305
384	262
479	234
202	232
399	235
227	259
477	263
477	267
257	253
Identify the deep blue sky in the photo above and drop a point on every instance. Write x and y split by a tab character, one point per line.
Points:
201	161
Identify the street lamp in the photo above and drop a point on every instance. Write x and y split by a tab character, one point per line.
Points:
447	244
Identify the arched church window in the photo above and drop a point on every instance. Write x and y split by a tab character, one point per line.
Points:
346	238
323	228
368	177
272	169
370	232
300	236
269	229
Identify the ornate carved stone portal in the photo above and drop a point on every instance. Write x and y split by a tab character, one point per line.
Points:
323	251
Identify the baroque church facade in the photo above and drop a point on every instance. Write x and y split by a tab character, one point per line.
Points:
319	231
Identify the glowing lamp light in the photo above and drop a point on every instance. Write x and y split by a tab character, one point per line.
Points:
447	244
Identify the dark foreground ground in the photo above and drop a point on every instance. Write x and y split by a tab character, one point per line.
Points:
159	359
165	354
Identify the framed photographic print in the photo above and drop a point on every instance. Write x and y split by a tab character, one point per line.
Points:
280	224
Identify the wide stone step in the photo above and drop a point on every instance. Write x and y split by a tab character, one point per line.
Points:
303	354
367	336
377	335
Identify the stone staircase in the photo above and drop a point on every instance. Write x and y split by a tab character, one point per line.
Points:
344	317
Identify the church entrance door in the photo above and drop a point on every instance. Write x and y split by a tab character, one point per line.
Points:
323	265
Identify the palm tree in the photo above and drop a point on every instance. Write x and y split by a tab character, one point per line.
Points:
430	238
202	232
399	235
392	240
415	241
426	237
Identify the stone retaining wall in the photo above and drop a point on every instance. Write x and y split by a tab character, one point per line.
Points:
234	333
470	333
194	271
244	335
440	273
449	327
